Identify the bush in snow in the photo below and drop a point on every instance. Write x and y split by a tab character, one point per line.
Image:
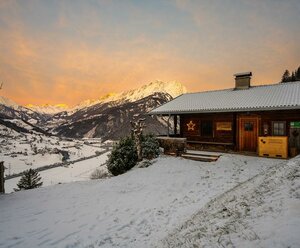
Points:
65	155
123	157
100	173
150	147
30	180
144	164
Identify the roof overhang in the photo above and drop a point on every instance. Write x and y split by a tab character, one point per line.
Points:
211	111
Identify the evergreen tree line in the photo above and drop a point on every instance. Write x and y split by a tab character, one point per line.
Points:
291	77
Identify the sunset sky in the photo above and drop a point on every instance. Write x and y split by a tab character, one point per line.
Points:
68	51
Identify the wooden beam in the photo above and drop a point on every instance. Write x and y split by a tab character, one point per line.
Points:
175	124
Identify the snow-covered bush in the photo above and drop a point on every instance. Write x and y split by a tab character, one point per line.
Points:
30	180
144	164
123	157
150	147
100	173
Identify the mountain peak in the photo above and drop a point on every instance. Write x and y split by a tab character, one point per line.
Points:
173	88
48	109
9	103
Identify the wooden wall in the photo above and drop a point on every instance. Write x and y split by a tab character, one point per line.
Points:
264	117
268	117
217	136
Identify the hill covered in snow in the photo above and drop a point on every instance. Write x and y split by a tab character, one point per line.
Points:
237	201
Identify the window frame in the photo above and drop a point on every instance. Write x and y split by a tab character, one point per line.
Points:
212	128
284	128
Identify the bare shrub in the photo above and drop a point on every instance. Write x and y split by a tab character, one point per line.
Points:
100	173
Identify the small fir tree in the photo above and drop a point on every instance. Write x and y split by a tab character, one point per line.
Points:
291	77
286	76
298	74
30	180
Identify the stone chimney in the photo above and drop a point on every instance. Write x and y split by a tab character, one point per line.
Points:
242	80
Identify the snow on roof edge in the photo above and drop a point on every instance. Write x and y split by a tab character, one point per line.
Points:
224	110
263	107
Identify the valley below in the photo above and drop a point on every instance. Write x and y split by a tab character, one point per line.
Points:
236	201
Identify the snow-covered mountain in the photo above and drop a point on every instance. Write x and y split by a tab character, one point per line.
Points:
8	103
49	109
174	89
9	108
110	120
107	117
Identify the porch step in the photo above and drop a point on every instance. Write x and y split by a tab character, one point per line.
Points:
200	157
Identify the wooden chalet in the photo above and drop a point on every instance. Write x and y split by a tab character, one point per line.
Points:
235	118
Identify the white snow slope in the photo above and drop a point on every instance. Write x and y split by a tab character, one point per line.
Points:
262	212
136	209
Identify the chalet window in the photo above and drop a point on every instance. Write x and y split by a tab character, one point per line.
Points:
248	126
278	128
265	129
207	128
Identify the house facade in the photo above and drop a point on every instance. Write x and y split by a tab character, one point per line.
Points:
235	118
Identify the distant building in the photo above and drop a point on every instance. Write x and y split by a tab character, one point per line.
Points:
235	118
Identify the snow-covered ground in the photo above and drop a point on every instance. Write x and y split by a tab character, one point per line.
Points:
21	151
262	212
139	208
79	171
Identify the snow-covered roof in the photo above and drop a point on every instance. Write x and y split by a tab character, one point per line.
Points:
265	97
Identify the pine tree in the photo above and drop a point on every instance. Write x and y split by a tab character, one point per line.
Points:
286	76
30	180
298	74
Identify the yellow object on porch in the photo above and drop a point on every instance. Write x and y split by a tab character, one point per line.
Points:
273	146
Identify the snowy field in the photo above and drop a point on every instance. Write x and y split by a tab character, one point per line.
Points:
21	151
80	171
141	208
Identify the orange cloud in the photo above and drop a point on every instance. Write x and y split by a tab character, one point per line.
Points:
84	61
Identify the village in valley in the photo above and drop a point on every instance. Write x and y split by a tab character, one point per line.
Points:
206	156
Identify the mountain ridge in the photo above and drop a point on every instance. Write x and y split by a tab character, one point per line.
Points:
173	88
106	118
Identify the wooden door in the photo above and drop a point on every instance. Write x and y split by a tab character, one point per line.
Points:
248	134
